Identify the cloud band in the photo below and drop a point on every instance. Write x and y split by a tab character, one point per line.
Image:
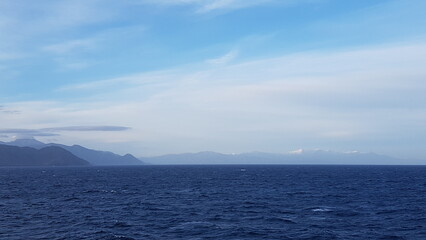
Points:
53	131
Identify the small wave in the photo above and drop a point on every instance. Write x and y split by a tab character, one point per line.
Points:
347	213
317	218
6	197
391	237
297	193
120	224
197	224
92	191
118	237
253	218
283	220
71	199
322	209
388	211
188	226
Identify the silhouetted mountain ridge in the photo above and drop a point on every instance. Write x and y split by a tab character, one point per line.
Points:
94	157
47	156
27	142
100	158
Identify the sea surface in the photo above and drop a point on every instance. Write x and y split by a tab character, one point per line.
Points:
213	202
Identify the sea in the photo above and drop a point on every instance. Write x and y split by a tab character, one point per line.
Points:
214	202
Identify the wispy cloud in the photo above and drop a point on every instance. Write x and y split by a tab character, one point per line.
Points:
86	129
74	65
40	23
71	46
47	17
5	110
149	80
27	133
48	132
228	57
229	4
206	6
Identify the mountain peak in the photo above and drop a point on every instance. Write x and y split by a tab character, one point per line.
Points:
297	151
26	142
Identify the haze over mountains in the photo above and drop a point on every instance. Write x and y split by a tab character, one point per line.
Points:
30	152
295	157
93	157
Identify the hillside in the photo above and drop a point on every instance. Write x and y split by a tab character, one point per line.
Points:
47	156
94	157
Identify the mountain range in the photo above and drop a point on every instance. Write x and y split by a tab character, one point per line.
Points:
30	152
295	157
92	157
47	156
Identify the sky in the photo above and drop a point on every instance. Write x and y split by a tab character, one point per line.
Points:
151	77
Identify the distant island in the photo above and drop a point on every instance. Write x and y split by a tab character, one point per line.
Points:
30	152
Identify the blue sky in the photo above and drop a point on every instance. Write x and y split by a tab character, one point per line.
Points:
166	76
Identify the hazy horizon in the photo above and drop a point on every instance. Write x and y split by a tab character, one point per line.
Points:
296	156
158	77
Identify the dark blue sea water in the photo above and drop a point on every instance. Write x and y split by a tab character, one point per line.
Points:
214	202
